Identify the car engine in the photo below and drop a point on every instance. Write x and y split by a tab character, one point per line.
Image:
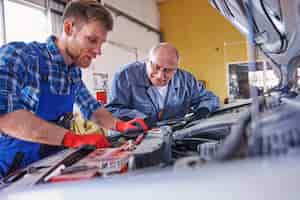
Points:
263	127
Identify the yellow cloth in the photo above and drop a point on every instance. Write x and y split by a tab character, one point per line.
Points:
83	127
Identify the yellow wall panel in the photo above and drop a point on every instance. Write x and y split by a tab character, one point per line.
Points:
205	40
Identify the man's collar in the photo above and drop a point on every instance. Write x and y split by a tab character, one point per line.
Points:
146	82
53	50
175	82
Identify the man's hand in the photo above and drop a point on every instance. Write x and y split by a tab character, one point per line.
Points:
200	113
72	140
134	124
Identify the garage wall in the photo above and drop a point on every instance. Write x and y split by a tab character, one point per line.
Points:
206	41
127	42
144	10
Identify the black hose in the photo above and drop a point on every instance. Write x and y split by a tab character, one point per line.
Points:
283	39
231	144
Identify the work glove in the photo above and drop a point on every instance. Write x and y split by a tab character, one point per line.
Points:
72	140
134	124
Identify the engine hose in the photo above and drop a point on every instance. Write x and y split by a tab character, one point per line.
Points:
232	142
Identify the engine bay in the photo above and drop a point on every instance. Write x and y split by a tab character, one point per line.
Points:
264	127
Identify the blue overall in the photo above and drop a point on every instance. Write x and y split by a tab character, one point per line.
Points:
51	107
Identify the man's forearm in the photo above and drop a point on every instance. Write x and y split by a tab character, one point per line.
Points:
25	125
104	119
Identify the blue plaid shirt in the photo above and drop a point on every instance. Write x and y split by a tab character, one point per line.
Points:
20	77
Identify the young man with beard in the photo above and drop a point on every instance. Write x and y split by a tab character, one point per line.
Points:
40	82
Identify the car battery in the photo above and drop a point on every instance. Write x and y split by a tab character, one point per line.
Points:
100	162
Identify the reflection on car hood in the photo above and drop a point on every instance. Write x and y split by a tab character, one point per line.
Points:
259	179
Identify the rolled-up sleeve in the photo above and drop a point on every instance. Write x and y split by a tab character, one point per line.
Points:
11	69
86	102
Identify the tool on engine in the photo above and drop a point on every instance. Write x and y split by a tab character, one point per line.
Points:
182	122
66	162
100	162
88	162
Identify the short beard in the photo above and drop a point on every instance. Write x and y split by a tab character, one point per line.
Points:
69	53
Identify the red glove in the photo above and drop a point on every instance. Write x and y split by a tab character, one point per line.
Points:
72	140
133	124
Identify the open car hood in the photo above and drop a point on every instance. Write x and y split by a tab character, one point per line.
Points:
275	28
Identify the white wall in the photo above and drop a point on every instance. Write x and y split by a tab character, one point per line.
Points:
129	41
144	10
112	57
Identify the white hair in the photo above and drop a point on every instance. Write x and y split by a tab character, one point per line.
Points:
152	52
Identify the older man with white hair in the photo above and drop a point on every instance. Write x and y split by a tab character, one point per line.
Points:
157	89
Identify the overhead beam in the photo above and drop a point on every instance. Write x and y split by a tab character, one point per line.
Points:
119	12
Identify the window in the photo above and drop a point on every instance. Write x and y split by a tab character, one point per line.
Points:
25	22
264	78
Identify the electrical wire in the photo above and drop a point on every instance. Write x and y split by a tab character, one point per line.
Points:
283	38
228	9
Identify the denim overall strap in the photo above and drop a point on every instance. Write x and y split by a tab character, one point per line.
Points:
51	106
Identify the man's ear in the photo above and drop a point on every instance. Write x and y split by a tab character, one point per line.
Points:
68	27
